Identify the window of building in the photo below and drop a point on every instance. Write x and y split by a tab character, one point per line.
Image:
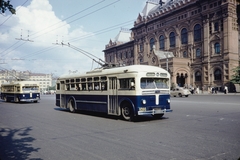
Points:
152	42
185	54
141	47
210	28
161	41
197	33
172	39
217	48
198	52
216	26
184	36
198	76
217	75
110	58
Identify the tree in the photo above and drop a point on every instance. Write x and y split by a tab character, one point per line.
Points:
236	76
4	5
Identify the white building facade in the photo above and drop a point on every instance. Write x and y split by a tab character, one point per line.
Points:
45	80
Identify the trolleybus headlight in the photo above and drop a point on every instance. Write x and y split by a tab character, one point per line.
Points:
168	100
24	95
144	101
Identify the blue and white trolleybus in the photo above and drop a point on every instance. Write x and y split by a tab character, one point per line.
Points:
20	91
128	91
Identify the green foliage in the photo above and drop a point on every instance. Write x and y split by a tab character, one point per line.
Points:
236	77
52	87
4	5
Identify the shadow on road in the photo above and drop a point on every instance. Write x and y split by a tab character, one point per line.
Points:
16	144
112	117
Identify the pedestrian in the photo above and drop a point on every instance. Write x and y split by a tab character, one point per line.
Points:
225	90
212	90
197	90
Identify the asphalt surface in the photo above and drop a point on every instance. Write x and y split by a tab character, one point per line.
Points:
200	127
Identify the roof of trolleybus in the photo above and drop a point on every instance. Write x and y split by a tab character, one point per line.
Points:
28	83
123	69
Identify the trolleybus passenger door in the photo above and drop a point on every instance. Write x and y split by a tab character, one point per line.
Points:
62	95
113	96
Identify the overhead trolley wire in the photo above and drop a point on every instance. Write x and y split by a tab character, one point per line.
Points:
65	19
71	21
79	18
14	48
80	38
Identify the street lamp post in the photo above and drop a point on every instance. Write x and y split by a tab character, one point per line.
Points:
166	54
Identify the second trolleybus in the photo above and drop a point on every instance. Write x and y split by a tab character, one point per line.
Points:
128	91
20	91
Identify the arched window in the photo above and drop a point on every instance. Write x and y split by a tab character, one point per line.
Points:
198	52
197	33
152	42
217	75
184	36
217	48
172	39
185	54
161	42
198	76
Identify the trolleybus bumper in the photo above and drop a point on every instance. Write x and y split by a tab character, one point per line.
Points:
29	100
154	111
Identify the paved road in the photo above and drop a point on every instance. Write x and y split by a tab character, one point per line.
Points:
201	127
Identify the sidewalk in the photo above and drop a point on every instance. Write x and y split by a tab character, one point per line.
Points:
218	93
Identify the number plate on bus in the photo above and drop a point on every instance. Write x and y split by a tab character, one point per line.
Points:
142	109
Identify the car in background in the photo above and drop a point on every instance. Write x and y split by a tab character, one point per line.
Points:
180	91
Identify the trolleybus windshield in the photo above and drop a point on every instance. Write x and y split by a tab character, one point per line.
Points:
154	83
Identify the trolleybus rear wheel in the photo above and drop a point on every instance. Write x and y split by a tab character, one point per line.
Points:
126	112
71	106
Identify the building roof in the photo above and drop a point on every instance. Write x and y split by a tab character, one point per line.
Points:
123	36
150	4
167	5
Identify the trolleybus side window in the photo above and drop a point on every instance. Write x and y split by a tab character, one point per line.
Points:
58	86
62	85
67	85
78	86
127	84
72	86
103	83
96	83
83	85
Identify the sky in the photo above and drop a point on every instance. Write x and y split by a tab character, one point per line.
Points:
28	40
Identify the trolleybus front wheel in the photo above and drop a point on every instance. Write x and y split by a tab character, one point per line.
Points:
71	106
127	113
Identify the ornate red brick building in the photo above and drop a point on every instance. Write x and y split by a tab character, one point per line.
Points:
196	40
